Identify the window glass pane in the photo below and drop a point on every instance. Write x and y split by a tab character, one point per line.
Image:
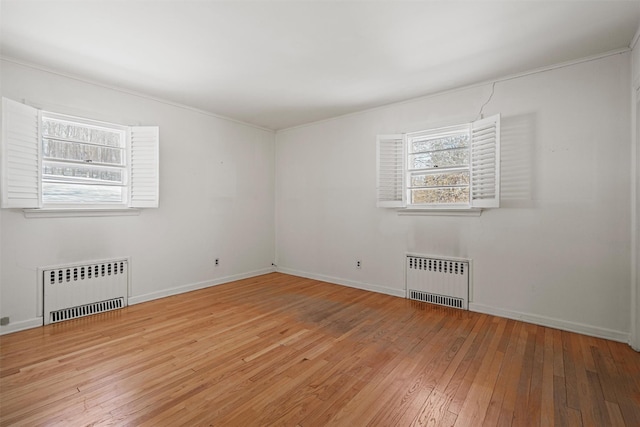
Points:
422	144
70	171
82	152
440	179
80	132
440	195
440	159
84	162
53	192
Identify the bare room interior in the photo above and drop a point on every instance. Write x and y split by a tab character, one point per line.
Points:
314	213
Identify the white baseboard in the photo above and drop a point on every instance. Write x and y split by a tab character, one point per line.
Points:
39	321
551	322
21	325
195	286
480	308
566	325
350	283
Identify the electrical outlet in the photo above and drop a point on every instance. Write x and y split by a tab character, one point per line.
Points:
217	262
358	264
5	321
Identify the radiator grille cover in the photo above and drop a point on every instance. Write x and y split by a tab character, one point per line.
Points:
86	310
436	299
84	289
438	281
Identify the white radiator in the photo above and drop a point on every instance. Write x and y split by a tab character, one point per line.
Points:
438	281
84	289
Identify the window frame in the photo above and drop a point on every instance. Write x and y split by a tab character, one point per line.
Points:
393	172
126	167
21	157
410	172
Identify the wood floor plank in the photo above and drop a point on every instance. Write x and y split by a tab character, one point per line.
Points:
615	415
456	367
460	383
625	383
409	395
512	377
558	354
547	405
560	407
591	414
508	377
570	360
434	411
598	407
534	404
475	406
523	410
284	350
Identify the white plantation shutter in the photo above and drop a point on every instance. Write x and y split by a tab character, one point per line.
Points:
144	166
391	160
20	155
485	163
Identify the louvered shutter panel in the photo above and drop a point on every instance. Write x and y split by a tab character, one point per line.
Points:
144	166
20	155
485	163
391	160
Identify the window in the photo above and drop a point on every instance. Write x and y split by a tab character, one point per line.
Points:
56	161
457	167
82	162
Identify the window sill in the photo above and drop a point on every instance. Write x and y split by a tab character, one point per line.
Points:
74	213
439	212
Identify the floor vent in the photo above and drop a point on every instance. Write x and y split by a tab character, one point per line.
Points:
438	281
84	289
86	310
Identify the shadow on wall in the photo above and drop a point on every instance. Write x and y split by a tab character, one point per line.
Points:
517	142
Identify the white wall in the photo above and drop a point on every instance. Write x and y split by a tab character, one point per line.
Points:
558	250
216	200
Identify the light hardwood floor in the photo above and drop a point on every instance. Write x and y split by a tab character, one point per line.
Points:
283	350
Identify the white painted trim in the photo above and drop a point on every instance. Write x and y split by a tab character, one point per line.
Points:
39	321
130	92
76	213
479	308
439	212
21	325
551	322
634	40
195	286
634	335
343	282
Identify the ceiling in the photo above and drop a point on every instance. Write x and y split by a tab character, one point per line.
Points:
278	64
